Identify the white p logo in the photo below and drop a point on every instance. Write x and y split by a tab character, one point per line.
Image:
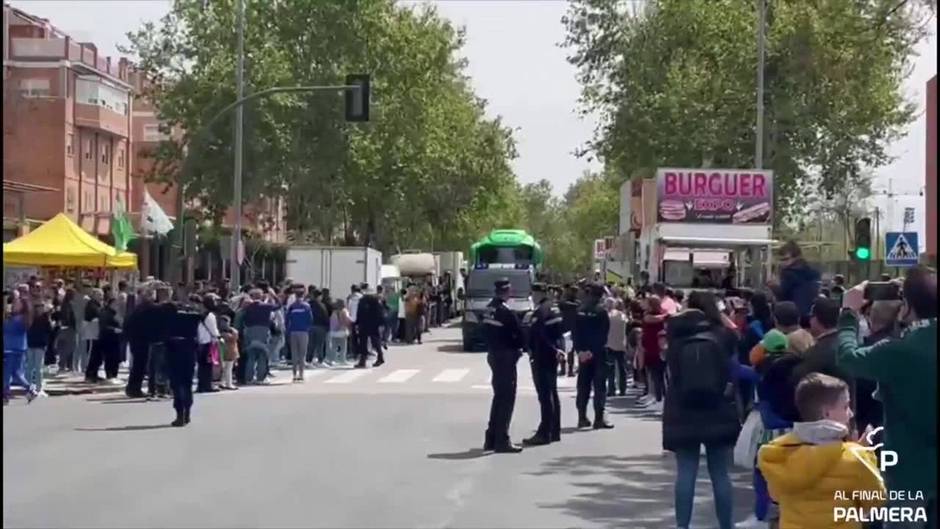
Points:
888	458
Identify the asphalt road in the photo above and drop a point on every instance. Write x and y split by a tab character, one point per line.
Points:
397	446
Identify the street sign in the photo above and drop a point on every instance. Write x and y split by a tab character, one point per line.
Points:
901	248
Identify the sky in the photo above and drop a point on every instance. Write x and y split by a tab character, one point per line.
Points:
525	77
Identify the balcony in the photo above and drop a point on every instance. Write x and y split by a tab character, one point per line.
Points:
57	49
38	49
98	117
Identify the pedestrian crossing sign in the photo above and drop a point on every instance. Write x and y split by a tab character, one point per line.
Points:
901	248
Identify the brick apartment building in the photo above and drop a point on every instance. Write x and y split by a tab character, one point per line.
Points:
66	127
76	133
931	170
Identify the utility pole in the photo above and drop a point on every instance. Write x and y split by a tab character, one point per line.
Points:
759	142
239	124
759	126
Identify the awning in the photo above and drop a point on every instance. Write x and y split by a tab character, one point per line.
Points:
716	242
61	242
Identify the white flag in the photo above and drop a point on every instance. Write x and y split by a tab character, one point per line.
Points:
152	217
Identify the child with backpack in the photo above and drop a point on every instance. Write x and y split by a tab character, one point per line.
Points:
816	471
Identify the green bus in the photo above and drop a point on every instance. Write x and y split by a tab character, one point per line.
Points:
506	247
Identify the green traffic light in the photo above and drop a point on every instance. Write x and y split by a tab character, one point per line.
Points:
863	253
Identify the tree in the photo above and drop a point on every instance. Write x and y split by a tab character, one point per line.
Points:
674	83
428	169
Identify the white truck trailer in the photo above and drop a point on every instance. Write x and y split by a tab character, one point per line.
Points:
334	267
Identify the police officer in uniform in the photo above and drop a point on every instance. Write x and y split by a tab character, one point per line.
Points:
182	324
504	347
545	333
590	341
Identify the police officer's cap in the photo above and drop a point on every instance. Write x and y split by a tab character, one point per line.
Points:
502	285
539	287
596	289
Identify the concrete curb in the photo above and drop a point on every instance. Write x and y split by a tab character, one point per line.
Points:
81	388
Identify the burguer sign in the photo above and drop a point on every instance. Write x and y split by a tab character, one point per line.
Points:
714	196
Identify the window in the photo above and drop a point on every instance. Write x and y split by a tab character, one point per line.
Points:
34	88
88	202
105	153
120	157
69	140
92	91
70	200
88	149
152	133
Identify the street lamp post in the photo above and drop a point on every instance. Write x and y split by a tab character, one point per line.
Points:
237	105
235	266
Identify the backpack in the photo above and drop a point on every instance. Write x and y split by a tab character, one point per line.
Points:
700	371
778	386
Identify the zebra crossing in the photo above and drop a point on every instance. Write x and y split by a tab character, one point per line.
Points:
422	379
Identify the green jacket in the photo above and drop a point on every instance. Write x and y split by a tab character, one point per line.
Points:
906	372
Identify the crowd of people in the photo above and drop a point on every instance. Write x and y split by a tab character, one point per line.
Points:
808	370
234	339
792	380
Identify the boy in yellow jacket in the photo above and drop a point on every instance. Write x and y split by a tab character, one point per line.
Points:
814	473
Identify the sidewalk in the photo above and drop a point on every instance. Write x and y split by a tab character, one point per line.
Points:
57	385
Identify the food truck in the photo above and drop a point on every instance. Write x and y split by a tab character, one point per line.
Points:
707	212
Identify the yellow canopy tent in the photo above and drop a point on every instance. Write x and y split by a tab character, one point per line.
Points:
61	242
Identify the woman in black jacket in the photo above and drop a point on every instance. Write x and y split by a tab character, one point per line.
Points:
700	408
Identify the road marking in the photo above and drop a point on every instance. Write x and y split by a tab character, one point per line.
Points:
481	386
347	377
451	375
399	376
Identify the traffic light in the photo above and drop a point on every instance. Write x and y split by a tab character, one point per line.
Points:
863	239
357	99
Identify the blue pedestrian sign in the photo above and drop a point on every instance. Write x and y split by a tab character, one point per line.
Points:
901	248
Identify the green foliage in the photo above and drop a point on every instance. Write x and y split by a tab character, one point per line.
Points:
567	227
429	169
675	84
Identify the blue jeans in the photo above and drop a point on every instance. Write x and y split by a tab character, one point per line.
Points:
257	348
338	345
390	330
35	362
13	371
719	461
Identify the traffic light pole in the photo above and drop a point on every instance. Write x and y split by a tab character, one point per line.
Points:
201	135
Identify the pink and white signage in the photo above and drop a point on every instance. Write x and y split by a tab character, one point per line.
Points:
715	196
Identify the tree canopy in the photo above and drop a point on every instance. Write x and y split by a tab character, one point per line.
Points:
674	82
430	168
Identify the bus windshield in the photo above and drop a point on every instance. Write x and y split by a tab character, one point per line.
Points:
481	283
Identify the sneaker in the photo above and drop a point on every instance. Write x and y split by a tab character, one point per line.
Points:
752	523
42	393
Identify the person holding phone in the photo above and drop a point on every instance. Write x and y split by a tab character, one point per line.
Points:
905	370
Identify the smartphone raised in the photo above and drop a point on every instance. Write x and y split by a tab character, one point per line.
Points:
882	291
